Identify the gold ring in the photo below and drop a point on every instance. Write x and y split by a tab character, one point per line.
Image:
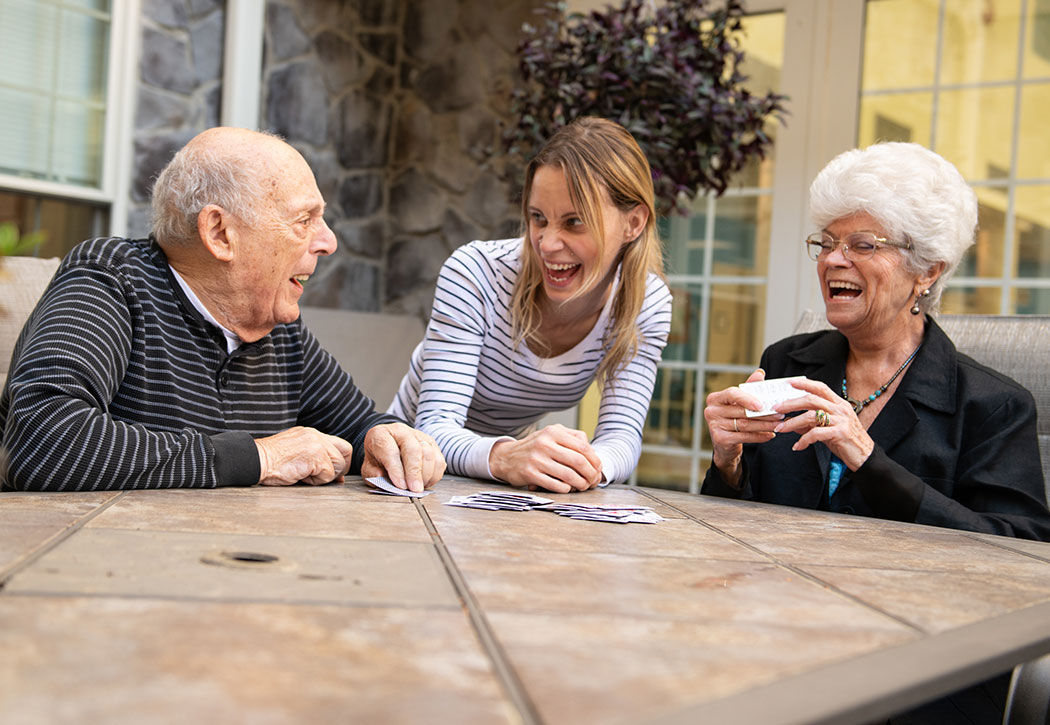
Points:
823	419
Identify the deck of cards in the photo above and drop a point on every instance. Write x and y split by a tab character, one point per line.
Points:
771	392
515	501
385	488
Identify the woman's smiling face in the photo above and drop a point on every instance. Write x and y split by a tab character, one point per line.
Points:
567	250
870	296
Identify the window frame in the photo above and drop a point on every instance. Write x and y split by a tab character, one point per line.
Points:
118	135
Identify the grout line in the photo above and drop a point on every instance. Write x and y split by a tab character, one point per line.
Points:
55	540
508	678
791	567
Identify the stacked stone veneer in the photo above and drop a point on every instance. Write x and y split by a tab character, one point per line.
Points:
397	105
180	89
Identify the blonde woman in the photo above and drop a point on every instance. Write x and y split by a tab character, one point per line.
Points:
521	327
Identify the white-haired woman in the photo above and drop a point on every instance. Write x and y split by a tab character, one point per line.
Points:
521	327
894	423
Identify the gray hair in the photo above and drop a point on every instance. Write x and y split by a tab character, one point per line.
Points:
198	175
915	195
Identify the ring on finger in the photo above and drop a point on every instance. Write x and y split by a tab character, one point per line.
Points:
736	428
823	419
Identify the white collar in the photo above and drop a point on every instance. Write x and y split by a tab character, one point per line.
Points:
232	340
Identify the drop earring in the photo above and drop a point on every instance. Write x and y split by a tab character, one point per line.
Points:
915	307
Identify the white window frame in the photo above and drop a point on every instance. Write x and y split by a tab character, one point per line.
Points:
821	75
118	136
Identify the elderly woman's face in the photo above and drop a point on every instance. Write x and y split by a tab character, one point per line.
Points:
869	296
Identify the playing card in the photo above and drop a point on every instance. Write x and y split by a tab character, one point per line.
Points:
771	392
516	501
384	486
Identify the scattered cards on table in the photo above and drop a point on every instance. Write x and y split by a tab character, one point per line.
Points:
514	501
385	488
771	392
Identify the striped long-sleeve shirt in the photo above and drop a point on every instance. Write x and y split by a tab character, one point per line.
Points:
117	382
468	385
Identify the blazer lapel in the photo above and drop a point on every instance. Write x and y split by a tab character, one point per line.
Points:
824	360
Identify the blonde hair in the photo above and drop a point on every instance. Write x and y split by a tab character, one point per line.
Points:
600	160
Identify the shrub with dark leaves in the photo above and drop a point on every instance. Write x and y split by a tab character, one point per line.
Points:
670	75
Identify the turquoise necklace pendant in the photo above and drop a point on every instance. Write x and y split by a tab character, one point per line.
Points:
858	405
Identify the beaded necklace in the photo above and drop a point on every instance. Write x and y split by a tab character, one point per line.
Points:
858	405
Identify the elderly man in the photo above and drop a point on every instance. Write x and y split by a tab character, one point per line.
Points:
181	361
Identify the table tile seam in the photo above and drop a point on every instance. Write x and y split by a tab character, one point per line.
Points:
996	544
792	568
8	573
1012	648
505	672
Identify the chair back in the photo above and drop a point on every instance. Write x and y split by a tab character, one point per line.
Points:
374	348
1017	346
22	281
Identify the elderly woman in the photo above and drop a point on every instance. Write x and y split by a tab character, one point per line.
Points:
894	422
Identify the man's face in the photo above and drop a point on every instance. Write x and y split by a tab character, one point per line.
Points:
277	254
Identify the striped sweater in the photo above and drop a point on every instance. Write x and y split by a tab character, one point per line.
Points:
468	385
117	382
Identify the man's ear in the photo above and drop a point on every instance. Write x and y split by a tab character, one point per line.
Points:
214	226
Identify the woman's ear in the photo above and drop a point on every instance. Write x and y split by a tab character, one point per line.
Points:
932	274
214	229
636	217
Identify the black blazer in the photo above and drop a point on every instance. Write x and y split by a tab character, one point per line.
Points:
955	446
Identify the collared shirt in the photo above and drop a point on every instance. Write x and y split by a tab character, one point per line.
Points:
233	341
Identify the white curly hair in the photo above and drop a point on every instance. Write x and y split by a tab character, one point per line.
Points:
914	194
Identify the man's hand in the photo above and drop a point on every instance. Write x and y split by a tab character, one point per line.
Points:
408	458
302	454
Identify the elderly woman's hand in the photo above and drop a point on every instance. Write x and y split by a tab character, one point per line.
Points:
828	419
731	428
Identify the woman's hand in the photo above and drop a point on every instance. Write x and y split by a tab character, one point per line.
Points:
554	458
731	428
841	430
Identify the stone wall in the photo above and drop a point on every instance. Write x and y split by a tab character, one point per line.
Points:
180	89
398	107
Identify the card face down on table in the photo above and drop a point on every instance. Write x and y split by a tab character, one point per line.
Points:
384	487
516	501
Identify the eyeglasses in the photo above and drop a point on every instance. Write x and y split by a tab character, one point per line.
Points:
856	247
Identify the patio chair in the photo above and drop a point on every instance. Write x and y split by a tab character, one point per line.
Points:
22	281
1017	346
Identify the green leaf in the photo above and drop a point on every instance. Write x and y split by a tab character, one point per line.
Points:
11	243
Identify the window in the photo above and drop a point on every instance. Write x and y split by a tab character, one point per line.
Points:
970	79
717	264
60	127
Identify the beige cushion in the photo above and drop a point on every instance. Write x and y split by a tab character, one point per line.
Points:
374	348
1018	346
22	281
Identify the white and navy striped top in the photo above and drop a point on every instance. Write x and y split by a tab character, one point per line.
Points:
468	386
117	382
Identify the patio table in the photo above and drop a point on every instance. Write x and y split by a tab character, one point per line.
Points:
314	604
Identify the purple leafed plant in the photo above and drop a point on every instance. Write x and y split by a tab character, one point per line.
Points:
670	75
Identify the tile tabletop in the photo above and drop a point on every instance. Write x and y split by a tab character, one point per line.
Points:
283	605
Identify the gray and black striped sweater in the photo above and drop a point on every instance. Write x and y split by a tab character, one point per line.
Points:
117	382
